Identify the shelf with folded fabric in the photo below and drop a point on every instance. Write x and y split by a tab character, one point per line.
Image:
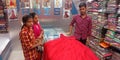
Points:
111	29
3	22
103	53
3	26
98	25
114	39
118	32
97	11
96	37
93	45
110	36
118	12
93	10
107	9
111	40
115	56
115	48
96	33
114	44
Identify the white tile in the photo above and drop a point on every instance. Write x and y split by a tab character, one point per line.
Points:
16	55
3	43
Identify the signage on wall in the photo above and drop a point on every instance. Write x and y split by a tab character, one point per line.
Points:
57	6
66	13
25	11
35	4
67	9
68	4
57	3
37	11
56	11
18	5
47	11
46	4
12	14
25	4
11	3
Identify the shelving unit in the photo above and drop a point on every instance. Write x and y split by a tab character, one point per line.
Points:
113	36
106	27
3	21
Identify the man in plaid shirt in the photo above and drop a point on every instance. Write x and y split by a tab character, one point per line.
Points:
82	23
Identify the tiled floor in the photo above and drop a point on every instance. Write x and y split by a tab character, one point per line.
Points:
16	53
4	41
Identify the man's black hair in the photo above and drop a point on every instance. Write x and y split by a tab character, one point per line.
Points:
82	5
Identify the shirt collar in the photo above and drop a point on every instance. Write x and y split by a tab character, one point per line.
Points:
83	18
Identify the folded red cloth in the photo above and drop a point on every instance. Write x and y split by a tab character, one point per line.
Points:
67	48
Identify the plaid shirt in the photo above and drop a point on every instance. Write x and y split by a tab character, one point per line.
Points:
83	26
28	40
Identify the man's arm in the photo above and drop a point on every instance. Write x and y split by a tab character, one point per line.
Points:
71	26
89	30
70	30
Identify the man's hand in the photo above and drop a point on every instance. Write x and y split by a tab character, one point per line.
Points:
70	30
88	41
68	33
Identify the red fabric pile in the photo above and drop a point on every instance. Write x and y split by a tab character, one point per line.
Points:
67	48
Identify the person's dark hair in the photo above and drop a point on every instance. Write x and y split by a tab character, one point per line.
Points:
25	18
33	14
82	5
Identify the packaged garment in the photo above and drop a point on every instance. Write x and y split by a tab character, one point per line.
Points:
111	33
67	48
117	36
118	9
104	44
108	39
118	21
117	40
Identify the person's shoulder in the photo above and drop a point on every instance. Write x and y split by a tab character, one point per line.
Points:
77	15
23	31
88	16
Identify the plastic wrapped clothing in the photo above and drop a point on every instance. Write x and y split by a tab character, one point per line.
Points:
67	48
